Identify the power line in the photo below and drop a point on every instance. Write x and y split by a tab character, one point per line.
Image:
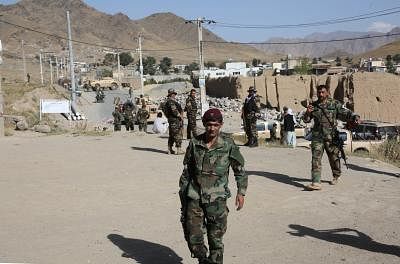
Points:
303	42
92	44
374	14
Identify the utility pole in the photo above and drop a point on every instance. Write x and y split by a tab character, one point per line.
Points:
51	71
119	67
41	66
141	63
71	60
202	81
1	95
23	61
57	74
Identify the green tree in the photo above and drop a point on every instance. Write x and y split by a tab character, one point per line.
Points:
314	61
109	59
389	64
338	61
396	58
106	73
222	65
255	62
210	64
125	58
304	67
192	67
165	65
149	65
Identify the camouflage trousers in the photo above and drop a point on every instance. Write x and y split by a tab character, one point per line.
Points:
129	124
212	218
143	126
317	149
117	127
191	128
175	134
250	128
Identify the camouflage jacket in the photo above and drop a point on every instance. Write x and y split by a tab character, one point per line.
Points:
334	110
172	110
191	107
251	107
118	117
206	171
142	115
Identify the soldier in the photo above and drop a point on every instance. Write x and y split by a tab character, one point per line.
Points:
117	118
129	117
250	112
142	116
173	111
191	113
203	188
325	112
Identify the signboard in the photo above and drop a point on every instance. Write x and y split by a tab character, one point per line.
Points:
51	106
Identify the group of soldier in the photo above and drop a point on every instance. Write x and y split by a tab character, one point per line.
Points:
203	185
127	114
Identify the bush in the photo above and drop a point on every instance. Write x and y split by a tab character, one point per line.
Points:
390	151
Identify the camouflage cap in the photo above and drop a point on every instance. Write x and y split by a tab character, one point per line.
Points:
171	91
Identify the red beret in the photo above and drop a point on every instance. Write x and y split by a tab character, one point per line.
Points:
213	115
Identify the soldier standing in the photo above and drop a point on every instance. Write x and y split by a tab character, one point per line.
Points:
117	118
203	188
142	116
173	111
325	112
191	113
129	109
250	111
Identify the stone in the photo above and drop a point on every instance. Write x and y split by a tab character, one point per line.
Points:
22	125
42	128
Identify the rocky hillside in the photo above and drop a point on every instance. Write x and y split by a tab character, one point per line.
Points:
163	31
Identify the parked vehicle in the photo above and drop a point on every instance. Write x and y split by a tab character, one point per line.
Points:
106	82
372	130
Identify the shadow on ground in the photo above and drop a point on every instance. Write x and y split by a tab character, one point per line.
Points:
359	168
341	236
144	252
282	178
150	150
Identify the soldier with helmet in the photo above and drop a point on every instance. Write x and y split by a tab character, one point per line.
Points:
250	112
173	111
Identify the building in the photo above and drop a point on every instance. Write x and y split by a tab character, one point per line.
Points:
373	65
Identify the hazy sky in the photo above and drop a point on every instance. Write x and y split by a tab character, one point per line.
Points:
260	12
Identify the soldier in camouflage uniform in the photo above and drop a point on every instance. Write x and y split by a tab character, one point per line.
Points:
204	188
142	116
250	112
173	111
191	113
129	115
325	112
117	118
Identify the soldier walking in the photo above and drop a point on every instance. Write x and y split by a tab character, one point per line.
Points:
117	118
203	188
325	112
250	112
142	116
173	111
191	113
129	117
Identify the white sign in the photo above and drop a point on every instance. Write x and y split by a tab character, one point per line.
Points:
51	106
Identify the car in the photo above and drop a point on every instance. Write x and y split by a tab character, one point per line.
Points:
374	130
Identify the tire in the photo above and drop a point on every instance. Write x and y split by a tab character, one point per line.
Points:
114	86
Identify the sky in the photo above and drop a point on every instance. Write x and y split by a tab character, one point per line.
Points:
260	12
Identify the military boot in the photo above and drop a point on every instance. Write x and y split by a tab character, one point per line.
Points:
170	150
334	181
315	186
179	151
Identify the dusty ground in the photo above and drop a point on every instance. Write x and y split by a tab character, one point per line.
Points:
69	199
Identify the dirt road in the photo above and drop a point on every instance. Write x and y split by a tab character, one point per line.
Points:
67	199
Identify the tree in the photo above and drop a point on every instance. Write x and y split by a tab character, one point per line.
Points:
149	64
125	58
304	67
255	62
192	67
222	65
396	58
106	73
109	59
165	65
210	64
338	61
389	64
314	61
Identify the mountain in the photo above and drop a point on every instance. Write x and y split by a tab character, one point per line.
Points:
164	34
351	47
381	52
